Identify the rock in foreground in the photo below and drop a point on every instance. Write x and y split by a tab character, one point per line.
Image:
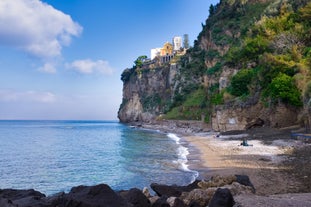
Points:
217	191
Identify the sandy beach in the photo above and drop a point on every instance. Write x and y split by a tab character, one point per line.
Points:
278	165
260	162
264	162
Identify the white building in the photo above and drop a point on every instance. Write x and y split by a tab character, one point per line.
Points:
155	52
177	42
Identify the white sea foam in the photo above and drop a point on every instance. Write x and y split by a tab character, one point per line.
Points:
174	137
182	153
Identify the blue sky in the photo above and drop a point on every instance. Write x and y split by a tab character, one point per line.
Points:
62	59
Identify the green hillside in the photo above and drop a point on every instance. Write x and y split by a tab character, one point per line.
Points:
248	51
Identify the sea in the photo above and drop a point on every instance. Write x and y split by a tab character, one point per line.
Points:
54	156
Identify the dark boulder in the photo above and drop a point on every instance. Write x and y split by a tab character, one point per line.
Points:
22	198
136	198
93	196
222	198
170	191
244	180
173	190
57	199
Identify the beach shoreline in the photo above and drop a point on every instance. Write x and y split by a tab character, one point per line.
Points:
268	161
274	170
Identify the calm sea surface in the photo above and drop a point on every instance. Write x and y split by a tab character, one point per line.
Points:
53	156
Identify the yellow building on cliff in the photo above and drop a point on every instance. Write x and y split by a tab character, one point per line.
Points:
167	49
166	53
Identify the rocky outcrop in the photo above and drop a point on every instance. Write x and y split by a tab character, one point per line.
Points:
136	197
174	190
147	93
196	194
21	198
246	116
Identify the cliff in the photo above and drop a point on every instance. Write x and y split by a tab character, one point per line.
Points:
147	92
249	67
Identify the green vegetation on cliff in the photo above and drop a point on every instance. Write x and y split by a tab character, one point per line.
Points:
246	48
249	52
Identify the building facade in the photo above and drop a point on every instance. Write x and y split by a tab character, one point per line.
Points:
177	42
168	51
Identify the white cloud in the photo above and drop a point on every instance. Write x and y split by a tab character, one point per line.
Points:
36	27
26	96
48	68
88	66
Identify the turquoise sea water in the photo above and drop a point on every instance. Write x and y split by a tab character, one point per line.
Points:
53	156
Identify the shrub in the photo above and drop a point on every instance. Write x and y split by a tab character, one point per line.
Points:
282	87
254	47
240	82
213	70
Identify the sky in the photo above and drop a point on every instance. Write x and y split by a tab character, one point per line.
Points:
62	59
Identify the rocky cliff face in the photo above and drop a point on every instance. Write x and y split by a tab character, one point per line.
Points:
226	118
230	46
147	93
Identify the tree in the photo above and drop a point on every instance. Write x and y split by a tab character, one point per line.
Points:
140	61
211	10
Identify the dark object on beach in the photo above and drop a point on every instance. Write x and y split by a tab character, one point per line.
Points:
244	180
222	198
245	143
100	196
136	197
173	190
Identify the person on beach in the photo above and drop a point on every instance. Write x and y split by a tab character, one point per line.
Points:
245	143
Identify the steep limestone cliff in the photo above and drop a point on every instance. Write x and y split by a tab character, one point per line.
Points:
147	92
249	67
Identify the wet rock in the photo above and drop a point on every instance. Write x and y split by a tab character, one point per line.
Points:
170	191
93	196
222	198
173	190
136	198
22	198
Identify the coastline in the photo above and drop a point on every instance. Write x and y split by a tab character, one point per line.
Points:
264	174
265	162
